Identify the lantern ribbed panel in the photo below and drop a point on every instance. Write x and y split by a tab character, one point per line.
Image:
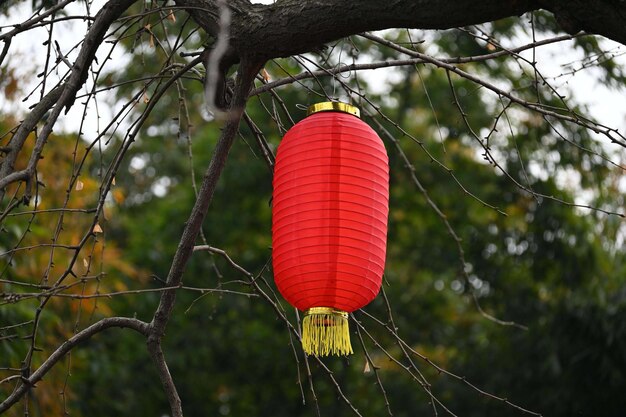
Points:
330	207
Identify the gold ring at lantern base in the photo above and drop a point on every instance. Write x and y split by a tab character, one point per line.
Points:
325	310
325	332
334	106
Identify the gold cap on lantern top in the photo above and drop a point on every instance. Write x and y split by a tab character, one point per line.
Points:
334	106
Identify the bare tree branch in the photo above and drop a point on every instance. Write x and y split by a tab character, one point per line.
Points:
26	383
401	62
169	386
612	134
245	78
60	97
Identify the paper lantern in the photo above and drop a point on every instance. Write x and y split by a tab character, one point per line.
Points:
329	221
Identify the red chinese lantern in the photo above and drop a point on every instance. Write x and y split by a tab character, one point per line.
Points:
329	221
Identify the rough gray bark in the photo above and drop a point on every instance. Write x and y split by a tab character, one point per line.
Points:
290	27
602	17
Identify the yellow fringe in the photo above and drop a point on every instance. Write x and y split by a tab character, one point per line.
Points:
326	334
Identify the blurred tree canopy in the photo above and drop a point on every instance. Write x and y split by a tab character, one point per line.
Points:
505	283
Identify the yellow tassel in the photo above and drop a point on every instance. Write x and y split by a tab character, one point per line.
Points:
325	332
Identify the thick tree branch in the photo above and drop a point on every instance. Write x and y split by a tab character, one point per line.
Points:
245	78
290	27
207	14
606	18
123	322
